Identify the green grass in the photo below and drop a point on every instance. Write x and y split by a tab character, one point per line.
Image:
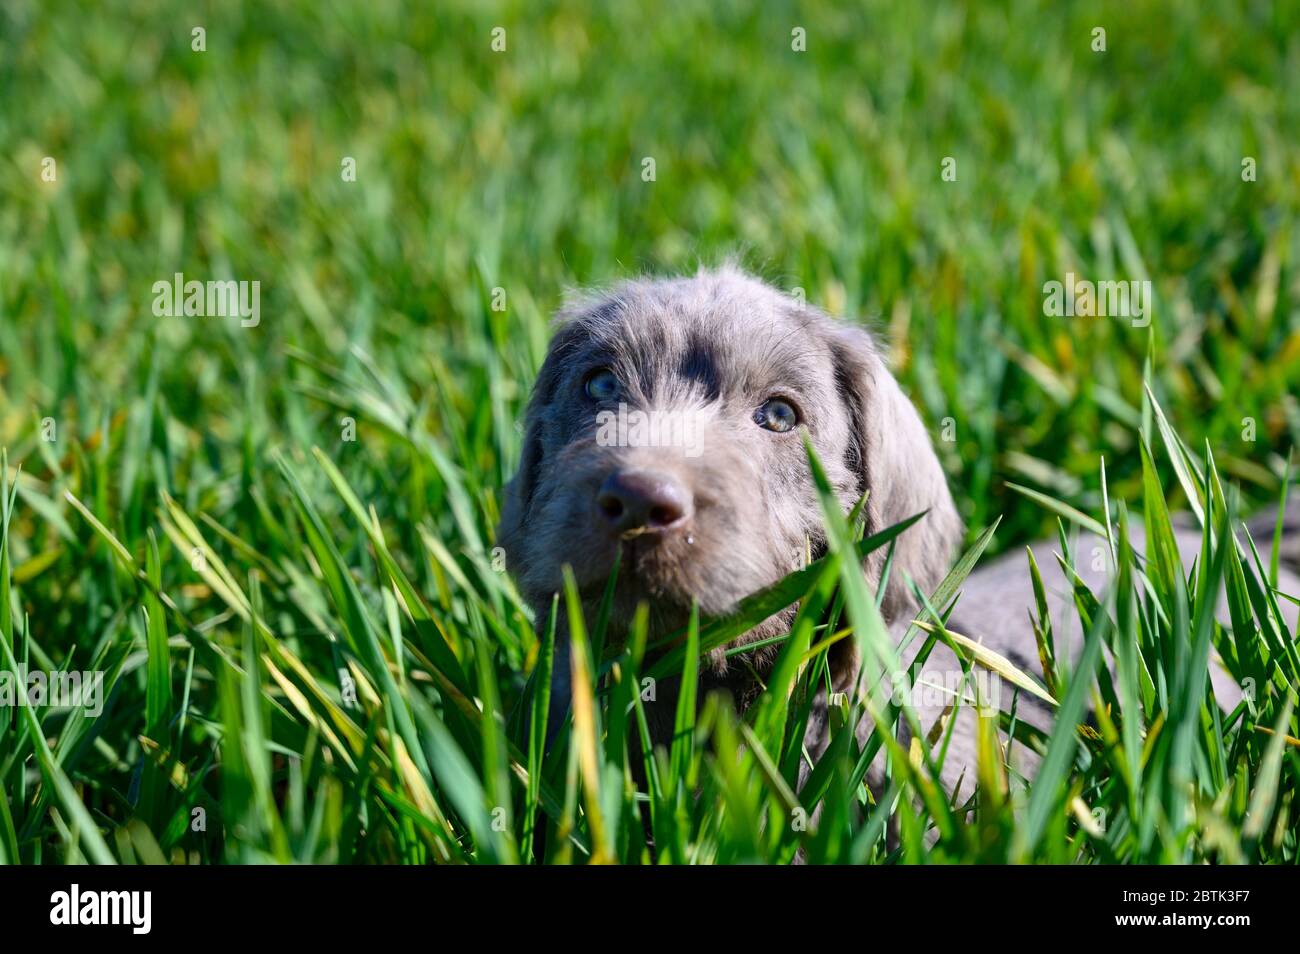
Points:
308	641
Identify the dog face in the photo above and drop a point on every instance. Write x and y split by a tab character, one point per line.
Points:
665	426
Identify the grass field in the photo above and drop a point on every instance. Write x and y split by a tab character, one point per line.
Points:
275	541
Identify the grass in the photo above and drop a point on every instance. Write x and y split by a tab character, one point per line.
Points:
309	650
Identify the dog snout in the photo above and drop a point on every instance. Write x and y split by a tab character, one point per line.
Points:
639	501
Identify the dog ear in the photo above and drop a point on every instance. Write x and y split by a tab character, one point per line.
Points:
894	460
518	494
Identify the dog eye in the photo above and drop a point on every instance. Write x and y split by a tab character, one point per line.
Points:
601	385
776	415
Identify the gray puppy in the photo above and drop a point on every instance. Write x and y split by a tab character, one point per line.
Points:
717	501
665	423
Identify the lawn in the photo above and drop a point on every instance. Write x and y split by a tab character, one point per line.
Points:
274	539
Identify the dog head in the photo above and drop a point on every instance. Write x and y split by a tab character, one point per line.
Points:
665	426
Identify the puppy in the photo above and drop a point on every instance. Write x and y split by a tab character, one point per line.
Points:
704	488
664	429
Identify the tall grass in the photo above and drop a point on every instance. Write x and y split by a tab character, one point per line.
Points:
329	712
310	649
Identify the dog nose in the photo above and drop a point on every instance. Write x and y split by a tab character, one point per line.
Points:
642	501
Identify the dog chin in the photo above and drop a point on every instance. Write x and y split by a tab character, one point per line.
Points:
654	581
645	575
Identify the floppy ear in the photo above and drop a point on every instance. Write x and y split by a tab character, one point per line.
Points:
518	493
520	490
891	453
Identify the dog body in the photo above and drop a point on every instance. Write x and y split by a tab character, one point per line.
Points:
997	608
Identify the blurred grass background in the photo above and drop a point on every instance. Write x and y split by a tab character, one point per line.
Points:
522	170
